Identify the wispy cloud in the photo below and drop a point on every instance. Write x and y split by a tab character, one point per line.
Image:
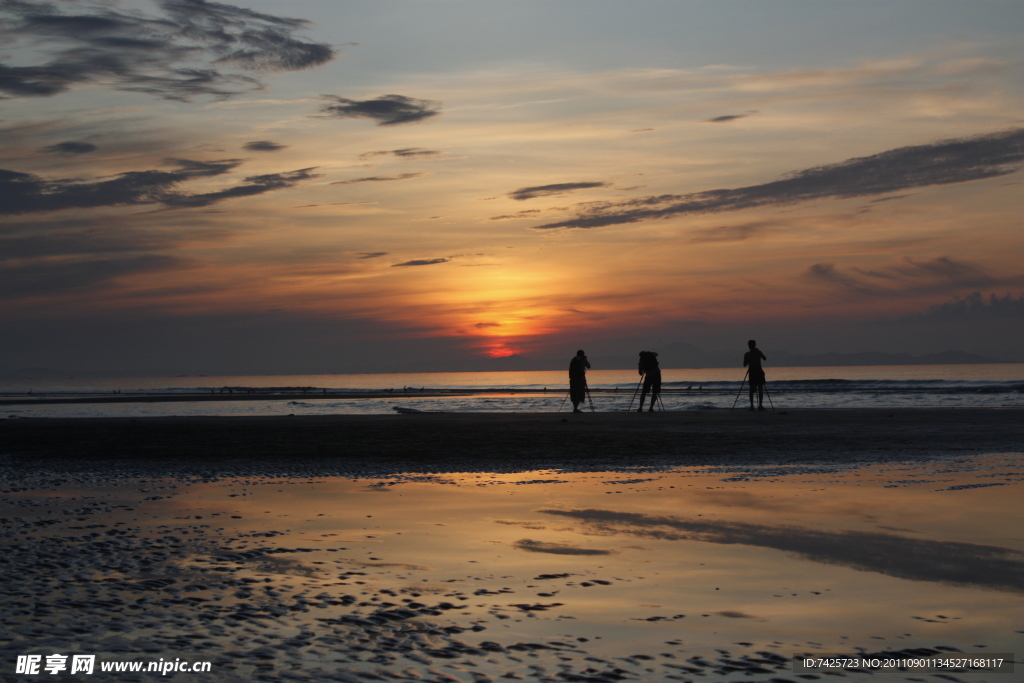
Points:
730	233
827	272
936	275
527	213
371	254
313	206
941	267
380	178
27	193
387	110
550	190
186	52
70	147
415	152
940	163
421	262
407	153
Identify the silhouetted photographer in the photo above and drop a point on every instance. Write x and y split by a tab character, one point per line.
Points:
752	360
578	380
651	372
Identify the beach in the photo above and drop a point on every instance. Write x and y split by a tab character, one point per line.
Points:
467	442
694	545
326	326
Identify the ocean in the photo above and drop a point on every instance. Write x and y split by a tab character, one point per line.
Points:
910	386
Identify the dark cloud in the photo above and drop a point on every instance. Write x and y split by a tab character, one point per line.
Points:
916	559
727	117
263	146
549	190
372	254
940	163
48	277
26	193
976	307
387	110
70	147
421	262
483	325
178	55
415	152
254	185
380	178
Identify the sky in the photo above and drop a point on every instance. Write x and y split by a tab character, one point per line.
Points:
193	187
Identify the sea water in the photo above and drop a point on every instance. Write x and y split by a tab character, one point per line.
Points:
899	386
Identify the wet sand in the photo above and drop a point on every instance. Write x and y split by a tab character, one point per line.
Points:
473	442
705	545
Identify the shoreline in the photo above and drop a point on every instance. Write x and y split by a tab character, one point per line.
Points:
506	441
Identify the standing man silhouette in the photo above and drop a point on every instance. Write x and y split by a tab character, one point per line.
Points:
752	359
578	380
648	367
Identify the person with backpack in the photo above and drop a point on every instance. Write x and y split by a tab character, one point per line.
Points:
752	359
578	380
648	368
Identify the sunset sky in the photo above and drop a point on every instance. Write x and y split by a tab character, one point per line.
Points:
350	186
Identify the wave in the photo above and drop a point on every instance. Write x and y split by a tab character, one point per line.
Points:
926	386
801	386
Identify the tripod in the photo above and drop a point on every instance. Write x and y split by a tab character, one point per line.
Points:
590	400
764	386
630	408
653	398
562	404
742	382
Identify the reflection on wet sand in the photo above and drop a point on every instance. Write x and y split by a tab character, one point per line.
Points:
484	576
557	548
907	558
